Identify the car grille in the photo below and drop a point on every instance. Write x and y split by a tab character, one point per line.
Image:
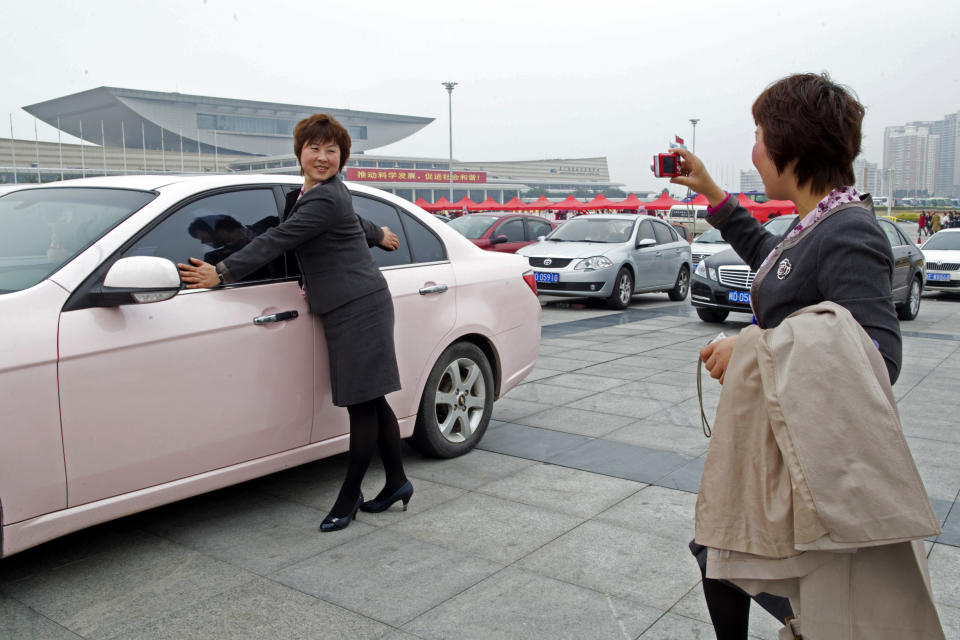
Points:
570	286
943	266
697	257
555	263
940	284
740	277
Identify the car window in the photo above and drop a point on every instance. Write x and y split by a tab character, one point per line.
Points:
537	228
213	228
513	229
646	231
663	233
384	215
472	226
780	225
424	243
891	233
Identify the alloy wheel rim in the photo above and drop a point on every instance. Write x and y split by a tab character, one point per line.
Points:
625	289
684	283
460	400
914	298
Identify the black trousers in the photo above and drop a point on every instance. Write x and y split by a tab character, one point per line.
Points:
729	605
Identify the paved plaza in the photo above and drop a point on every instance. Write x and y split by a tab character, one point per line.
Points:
571	520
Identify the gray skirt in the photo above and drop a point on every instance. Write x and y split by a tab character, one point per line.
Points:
363	359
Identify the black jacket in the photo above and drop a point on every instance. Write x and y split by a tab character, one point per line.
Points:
332	244
844	258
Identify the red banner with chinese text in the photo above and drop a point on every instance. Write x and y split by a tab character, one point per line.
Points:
414	175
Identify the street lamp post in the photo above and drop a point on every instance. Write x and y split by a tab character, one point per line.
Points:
450	86
694	122
693	212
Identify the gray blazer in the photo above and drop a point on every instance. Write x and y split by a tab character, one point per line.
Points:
844	258
332	244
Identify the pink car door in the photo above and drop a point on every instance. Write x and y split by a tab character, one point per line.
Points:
155	392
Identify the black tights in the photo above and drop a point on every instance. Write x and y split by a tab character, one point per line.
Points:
373	425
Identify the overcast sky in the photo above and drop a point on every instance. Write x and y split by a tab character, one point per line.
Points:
536	79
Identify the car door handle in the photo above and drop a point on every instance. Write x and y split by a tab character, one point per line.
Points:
276	317
437	288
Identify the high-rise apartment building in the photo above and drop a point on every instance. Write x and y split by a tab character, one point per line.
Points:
923	157
867	177
750	181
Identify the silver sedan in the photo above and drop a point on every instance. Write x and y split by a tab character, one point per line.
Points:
611	257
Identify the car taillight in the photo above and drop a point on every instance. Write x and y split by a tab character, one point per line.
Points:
531	281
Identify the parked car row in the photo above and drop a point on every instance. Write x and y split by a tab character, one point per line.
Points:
942	253
102	416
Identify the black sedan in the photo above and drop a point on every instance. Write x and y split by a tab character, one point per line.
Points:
721	282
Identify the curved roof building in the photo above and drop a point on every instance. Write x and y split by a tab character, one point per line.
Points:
157	120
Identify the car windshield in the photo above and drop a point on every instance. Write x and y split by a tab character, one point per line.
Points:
710	237
587	229
472	226
779	225
43	229
943	242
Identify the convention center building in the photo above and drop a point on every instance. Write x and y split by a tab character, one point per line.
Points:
133	131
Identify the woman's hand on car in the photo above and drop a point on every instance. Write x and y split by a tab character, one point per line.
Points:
696	177
390	241
198	274
716	356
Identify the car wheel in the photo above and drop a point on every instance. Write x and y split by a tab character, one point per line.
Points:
622	290
713	315
911	306
456	404
679	291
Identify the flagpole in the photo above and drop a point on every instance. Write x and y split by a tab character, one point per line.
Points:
103	147
181	150
163	152
123	142
60	147
83	163
13	150
143	141
36	145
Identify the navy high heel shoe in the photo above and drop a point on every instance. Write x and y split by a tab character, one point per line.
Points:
335	524
376	506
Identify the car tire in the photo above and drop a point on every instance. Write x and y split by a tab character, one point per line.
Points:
713	315
682	286
457	403
911	306
622	290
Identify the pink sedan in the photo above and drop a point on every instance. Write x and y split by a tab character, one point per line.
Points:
97	386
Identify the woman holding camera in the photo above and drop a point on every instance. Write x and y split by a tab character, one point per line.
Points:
343	285
808	134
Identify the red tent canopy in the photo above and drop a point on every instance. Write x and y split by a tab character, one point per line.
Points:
466	203
440	205
541	203
490	205
700	200
570	204
661	203
514	204
423	204
632	202
779	207
600	201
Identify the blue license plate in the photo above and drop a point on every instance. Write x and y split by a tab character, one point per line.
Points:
742	297
540	276
945	277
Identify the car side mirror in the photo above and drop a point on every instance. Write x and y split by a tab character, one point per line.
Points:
541	238
646	242
138	280
498	239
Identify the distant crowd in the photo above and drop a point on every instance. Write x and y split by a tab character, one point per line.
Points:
932	221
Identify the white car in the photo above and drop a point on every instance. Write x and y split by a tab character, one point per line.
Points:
942	255
707	244
111	406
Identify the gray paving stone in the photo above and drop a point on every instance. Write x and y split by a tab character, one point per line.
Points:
686	478
593	356
652	434
636	565
540	373
663	512
949	619
387	575
694	605
519	604
674	627
942	483
621	405
547	394
622	460
656	391
944	564
18	622
583	381
469	471
579	421
259	610
562	364
531	443
426	496
120	590
488	527
509	410
616	370
562	489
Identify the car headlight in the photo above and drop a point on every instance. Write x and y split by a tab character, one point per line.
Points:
701	269
593	263
712	274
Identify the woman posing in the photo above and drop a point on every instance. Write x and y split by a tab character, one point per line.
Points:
345	288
